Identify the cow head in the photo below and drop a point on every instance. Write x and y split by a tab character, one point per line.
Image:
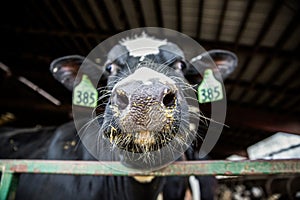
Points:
151	111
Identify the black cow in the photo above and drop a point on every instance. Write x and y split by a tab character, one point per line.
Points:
143	121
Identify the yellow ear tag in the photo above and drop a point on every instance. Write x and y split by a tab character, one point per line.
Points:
85	94
210	88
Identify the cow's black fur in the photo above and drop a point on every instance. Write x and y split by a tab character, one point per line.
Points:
53	146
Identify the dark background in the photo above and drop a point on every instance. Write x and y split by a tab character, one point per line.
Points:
263	93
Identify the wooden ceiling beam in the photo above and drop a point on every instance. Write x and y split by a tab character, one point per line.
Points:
263	66
242	70
93	10
123	17
278	45
21	32
288	31
268	83
267	23
106	14
139	13
221	20
63	33
179	15
159	15
199	21
243	23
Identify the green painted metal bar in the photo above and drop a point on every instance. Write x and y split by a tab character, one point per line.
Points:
199	168
9	169
6	179
8	185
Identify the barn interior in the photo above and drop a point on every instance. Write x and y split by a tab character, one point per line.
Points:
262	94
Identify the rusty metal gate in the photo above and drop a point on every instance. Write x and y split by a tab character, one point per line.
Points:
10	169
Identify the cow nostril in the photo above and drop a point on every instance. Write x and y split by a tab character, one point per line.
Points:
169	99
122	101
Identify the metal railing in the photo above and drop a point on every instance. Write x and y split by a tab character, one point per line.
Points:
11	168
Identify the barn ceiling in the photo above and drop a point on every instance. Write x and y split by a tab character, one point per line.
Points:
263	93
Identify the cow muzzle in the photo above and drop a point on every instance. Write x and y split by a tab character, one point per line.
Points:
146	111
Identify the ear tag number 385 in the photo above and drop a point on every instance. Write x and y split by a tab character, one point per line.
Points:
85	94
210	88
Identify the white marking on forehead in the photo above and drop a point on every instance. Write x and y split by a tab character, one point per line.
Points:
148	83
142	45
145	74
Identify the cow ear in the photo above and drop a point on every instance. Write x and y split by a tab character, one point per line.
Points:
225	63
65	69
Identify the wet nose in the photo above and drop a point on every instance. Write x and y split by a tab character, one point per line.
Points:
121	99
144	95
168	97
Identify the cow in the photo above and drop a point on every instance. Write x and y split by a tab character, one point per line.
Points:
144	119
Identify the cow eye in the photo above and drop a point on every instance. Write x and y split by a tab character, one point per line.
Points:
180	65
111	68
